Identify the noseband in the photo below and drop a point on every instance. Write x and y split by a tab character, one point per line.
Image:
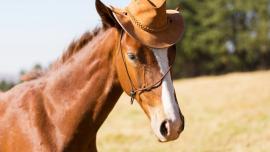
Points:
135	90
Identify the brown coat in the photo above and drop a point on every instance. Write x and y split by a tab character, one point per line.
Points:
63	108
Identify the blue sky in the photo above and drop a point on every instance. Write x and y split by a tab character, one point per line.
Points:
38	31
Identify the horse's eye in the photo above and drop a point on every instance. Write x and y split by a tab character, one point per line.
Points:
132	56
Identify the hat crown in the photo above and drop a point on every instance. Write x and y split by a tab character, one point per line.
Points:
157	3
149	13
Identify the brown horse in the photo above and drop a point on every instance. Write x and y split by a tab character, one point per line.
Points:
63	108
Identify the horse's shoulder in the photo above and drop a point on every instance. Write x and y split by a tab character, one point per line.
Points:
25	92
32	90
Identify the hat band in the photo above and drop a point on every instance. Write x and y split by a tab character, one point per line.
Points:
144	27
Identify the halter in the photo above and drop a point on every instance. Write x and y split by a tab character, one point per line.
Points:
135	90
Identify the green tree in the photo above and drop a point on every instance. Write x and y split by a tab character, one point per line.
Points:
4	85
222	36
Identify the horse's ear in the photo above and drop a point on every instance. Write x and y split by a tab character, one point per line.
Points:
107	17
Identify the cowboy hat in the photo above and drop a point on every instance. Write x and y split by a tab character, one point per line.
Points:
149	22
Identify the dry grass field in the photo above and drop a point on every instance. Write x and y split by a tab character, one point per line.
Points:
229	113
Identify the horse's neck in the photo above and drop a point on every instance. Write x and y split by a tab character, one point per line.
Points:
82	92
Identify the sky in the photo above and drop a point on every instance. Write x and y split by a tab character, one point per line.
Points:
38	31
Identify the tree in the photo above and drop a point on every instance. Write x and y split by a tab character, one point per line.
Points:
222	36
4	85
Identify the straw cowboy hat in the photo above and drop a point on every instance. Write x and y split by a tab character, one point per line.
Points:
149	22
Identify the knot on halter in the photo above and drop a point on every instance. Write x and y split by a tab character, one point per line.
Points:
132	95
134	91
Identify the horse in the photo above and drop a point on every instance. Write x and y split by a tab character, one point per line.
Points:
62	108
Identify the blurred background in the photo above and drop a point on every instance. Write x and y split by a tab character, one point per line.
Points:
222	76
223	36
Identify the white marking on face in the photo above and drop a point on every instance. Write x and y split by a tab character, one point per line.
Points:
170	105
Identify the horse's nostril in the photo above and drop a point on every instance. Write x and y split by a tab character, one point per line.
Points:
182	126
164	128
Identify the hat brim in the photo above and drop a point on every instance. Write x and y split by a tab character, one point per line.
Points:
161	39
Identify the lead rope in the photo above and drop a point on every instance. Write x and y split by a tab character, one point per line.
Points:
134	91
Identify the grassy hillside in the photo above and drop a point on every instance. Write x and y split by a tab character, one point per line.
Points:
224	113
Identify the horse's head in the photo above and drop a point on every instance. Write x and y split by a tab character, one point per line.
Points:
144	74
145	71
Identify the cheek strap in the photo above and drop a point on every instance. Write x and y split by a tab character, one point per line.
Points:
133	92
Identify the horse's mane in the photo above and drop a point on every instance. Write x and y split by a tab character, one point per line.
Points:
74	47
